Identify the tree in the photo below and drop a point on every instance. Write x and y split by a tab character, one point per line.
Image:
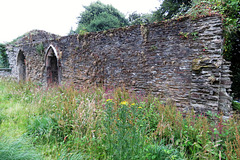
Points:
169	8
3	57
98	16
137	19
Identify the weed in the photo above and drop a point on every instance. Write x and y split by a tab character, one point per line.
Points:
153	48
183	35
40	49
195	35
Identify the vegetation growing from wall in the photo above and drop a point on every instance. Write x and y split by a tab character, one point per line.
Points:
97	123
229	10
40	49
3	57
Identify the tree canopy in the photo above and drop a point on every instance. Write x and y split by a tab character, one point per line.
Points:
137	18
98	16
3	57
170	8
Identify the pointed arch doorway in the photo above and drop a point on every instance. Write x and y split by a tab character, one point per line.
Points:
21	66
52	67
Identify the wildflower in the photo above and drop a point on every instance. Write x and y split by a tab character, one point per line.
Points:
139	107
109	100
133	104
65	138
124	103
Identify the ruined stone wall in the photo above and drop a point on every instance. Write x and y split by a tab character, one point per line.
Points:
33	45
5	72
180	60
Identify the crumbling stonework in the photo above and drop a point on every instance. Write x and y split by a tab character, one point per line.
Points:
180	60
5	72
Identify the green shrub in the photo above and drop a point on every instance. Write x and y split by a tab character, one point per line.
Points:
236	105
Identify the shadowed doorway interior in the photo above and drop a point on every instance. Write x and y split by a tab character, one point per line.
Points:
21	65
52	68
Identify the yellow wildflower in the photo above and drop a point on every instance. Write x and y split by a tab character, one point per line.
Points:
124	103
133	104
139	107
109	100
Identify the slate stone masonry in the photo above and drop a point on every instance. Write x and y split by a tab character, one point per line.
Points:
180	60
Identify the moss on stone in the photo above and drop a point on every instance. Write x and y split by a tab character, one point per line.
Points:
197	64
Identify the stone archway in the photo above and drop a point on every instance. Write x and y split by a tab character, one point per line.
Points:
52	67
21	66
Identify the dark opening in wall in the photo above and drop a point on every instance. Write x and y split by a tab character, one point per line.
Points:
235	67
21	66
52	68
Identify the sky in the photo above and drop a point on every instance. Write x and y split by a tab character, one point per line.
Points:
55	16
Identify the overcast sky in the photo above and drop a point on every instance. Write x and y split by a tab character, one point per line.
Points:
56	16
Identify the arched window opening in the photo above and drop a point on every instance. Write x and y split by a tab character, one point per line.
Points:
21	66
52	67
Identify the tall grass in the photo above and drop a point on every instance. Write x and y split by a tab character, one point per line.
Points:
100	123
17	150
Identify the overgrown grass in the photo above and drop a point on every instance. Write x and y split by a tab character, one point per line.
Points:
100	123
17	150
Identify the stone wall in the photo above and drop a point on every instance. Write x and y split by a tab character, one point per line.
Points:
180	60
5	72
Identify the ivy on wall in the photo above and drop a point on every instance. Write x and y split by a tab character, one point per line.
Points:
231	22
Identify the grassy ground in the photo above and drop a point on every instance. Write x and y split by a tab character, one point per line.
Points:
97	123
